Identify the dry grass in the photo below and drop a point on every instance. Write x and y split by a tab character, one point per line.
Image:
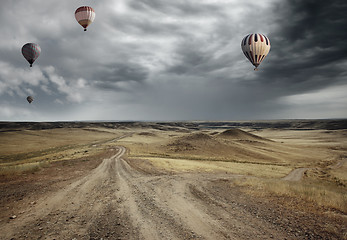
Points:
318	192
215	146
22	168
340	172
200	151
23	151
188	165
35	140
266	161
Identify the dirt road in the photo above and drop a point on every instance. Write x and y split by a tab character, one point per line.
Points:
296	174
118	200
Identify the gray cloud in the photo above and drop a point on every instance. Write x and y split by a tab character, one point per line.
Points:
167	60
122	72
308	48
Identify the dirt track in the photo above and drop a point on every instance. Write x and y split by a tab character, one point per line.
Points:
296	174
117	200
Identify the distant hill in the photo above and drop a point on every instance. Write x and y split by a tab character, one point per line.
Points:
237	134
183	126
232	144
295	124
193	141
149	134
196	137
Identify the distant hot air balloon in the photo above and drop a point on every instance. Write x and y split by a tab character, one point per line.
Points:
255	47
31	51
30	99
85	16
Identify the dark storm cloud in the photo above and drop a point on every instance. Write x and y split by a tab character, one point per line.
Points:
163	59
191	59
322	20
309	48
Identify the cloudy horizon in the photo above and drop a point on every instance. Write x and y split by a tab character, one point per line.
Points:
173	60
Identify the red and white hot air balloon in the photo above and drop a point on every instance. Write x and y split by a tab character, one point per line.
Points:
85	16
31	51
255	46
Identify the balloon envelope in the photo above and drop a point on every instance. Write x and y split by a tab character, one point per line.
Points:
85	16
30	99
31	51
255	46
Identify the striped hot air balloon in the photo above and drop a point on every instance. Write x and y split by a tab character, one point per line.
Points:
31	51
85	16
255	46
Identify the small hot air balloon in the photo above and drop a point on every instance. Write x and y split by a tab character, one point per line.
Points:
255	47
31	51
85	16
30	99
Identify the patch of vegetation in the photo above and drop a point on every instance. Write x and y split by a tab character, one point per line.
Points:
318	192
22	168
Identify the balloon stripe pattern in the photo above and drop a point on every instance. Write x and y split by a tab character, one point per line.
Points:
31	51
85	16
255	47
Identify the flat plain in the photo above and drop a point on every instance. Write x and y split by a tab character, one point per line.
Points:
174	180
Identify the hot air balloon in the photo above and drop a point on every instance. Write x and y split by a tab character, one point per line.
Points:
255	47
31	51
85	16
30	99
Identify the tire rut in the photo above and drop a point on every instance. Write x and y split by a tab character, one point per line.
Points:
116	201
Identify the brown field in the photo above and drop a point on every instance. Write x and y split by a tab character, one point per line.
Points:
208	176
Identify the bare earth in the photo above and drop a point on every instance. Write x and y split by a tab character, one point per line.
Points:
184	180
118	201
296	174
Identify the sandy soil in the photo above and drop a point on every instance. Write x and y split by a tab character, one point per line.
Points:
126	199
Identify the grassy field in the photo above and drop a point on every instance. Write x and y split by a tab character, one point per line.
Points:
190	165
323	193
262	156
29	150
310	149
266	157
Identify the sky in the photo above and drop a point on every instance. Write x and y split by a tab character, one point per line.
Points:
164	60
